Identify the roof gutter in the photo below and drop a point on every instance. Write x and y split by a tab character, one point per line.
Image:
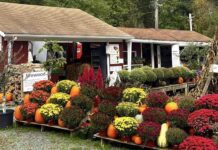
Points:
68	37
180	43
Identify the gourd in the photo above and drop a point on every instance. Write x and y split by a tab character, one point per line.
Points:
54	90
171	106
17	113
26	99
161	140
75	91
68	105
139	118
8	97
142	108
138	140
61	123
111	131
38	117
180	80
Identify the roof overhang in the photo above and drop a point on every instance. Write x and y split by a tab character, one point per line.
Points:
2	34
180	43
78	38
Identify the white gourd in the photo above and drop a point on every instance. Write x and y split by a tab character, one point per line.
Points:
162	141
139	118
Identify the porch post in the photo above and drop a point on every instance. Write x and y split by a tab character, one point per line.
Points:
9	51
129	55
141	49
175	56
152	55
108	60
158	56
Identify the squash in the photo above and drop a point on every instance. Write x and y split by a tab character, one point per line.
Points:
133	137
139	118
8	97
38	117
54	90
75	91
142	108
17	113
61	123
138	140
180	80
111	131
1	95
171	106
161	140
68	104
26	99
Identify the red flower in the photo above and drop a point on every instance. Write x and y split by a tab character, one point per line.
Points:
45	85
178	118
209	101
203	121
39	97
155	115
157	99
197	143
28	110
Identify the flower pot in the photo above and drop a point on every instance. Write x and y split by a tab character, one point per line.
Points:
6	119
126	139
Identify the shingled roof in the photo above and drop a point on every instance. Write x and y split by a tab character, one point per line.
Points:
165	34
42	20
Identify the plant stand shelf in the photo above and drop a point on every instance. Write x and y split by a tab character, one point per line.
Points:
174	87
43	126
127	143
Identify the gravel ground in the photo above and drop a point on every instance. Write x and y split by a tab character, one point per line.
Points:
31	138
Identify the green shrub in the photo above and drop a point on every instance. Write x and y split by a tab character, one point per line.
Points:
72	116
159	73
108	107
187	103
135	95
100	121
124	75
138	75
59	98
175	136
89	91
150	75
146	68
83	102
178	118
168	73
127	109
65	86
185	72
177	72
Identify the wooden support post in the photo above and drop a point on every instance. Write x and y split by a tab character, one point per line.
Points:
9	52
141	50
158	56
152	55
129	55
207	84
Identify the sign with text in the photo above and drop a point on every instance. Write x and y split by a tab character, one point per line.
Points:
31	77
114	51
214	68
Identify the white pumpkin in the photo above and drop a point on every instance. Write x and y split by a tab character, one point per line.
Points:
139	118
162	140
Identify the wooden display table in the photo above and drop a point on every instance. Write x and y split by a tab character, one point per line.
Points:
127	143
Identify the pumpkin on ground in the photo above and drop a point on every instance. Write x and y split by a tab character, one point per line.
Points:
111	131
180	80
17	113
133	137
8	97
75	91
38	117
61	123
54	90
171	106
26	99
142	108
68	104
138	140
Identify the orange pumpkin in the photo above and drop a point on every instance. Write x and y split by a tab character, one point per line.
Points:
133	137
38	117
68	105
61	123
8	97
138	140
54	90
171	106
75	91
111	131
1	95
180	80
17	113
142	108
26	99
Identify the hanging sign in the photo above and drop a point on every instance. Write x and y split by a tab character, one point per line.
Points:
31	77
79	50
114	51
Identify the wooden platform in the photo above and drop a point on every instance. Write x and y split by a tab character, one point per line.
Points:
175	87
43	126
128	143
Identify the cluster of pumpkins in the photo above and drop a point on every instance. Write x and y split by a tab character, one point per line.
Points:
8	97
112	132
75	91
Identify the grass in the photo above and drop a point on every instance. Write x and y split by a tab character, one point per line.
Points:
31	138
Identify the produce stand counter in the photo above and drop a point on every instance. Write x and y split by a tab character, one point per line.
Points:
46	125
127	143
174	87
